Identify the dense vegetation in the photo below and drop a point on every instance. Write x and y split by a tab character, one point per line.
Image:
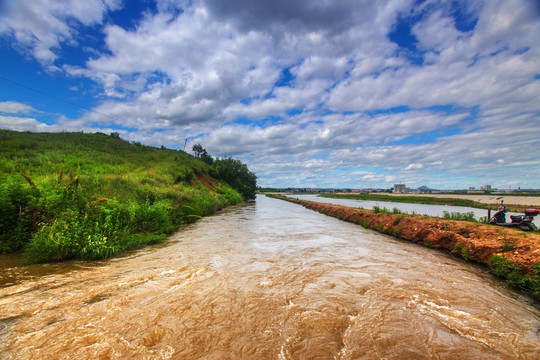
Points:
90	196
232	171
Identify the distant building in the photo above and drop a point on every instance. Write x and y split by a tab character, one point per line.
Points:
472	188
487	187
399	188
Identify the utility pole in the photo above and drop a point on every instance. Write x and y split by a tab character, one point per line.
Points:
185	143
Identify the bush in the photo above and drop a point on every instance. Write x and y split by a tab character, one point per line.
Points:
15	216
237	175
469	216
153	218
383	210
377	210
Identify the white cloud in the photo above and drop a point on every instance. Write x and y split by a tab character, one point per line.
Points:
16	108
195	68
414	167
18	123
42	26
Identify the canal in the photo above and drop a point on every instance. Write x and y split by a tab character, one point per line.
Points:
266	280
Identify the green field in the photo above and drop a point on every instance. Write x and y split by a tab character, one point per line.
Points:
91	196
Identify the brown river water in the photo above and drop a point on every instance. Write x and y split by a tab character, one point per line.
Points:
266	280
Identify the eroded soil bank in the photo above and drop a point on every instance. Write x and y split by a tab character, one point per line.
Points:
509	253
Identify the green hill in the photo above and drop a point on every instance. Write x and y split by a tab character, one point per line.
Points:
90	196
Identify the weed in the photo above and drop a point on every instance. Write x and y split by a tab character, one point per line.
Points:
383	210
364	223
464	251
508	246
469	216
484	219
512	272
377	210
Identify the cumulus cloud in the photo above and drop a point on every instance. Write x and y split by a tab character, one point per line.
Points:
18	123
42	26
13	107
311	92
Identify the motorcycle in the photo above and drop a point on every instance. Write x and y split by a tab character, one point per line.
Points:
523	222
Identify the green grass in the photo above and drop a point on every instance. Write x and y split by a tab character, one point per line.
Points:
91	196
514	274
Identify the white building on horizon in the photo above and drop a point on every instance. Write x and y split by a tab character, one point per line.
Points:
399	188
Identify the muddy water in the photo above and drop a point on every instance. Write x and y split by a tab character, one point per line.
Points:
268	280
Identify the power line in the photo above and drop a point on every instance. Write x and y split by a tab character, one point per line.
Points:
52	96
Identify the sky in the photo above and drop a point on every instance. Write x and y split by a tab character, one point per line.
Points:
308	93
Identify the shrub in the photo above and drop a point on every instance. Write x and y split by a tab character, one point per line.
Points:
469	216
183	174
151	218
237	175
15	216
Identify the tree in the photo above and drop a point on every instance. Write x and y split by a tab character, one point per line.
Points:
201	153
198	150
237	175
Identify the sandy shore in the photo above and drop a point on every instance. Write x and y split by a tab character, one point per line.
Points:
531	201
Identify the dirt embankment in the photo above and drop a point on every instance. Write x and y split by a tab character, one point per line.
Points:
472	241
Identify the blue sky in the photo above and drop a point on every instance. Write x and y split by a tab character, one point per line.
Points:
347	93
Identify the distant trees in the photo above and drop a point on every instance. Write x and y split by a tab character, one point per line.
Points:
232	171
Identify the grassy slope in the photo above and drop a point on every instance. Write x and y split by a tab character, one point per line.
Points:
90	196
